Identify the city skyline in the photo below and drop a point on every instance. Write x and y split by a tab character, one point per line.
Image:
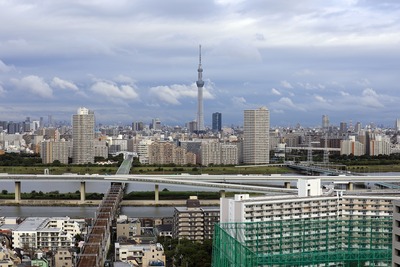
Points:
137	61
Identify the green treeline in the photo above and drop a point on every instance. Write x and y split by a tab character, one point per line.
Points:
170	195
51	195
141	195
182	253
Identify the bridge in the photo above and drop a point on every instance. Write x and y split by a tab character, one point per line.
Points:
98	241
243	183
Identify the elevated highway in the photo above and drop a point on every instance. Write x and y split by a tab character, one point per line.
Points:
248	183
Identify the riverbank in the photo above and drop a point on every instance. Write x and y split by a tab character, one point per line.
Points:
127	203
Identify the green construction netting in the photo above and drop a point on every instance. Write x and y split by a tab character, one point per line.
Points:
304	242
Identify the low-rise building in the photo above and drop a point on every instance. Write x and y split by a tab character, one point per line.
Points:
194	222
143	255
128	228
46	233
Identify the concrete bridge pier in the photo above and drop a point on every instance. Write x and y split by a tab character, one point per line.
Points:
156	194
350	186
17	191
83	192
287	185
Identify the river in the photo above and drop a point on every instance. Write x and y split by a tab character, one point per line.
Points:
85	212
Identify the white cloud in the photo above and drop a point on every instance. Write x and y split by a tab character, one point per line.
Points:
114	91
238	101
286	84
35	85
63	84
320	99
2	91
124	79
174	93
369	92
287	102
4	67
371	99
344	93
275	91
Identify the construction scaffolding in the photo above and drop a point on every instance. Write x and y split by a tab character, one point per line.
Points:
304	242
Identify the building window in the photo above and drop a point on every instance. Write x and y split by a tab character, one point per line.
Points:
397	252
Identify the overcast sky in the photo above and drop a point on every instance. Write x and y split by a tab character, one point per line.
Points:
137	60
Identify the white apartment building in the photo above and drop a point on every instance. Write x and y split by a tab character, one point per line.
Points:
43	232
380	146
330	228
143	150
256	136
351	146
143	255
309	203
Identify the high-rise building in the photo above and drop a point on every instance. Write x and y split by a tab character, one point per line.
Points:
397	125
216	122
357	127
256	136
50	120
137	126
156	124
325	121
343	127
200	84
83	136
351	146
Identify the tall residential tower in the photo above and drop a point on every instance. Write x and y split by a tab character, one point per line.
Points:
200	84
83	136
256	136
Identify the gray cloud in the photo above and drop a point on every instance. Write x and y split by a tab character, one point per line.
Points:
308	51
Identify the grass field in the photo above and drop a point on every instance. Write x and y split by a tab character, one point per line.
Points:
216	170
143	170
